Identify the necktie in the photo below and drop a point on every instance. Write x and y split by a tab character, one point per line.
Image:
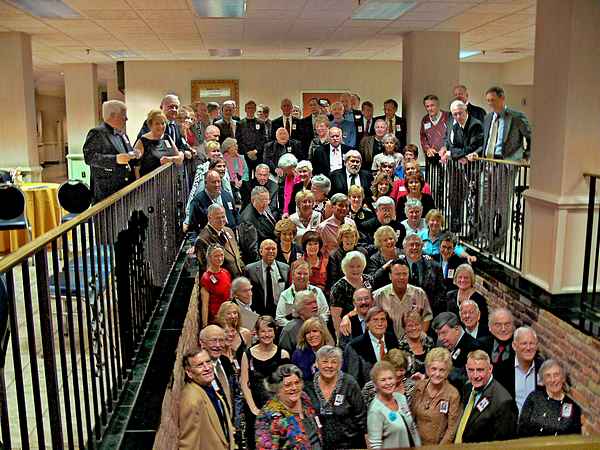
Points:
269	290
500	352
352	179
270	216
222	238
381	348
465	418
171	131
491	145
223	381
368	127
415	278
390	126
362	325
287	126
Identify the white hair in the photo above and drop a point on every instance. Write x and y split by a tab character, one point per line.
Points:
112	108
458	104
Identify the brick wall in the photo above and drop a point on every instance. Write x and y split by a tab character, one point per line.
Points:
166	437
579	353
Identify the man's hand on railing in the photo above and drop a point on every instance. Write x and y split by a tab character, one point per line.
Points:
472	156
471	258
188	154
444	155
463	161
431	152
123	158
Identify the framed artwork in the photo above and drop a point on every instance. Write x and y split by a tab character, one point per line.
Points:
332	96
216	91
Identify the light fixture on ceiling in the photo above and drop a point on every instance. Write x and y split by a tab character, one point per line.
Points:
121	54
47	9
220	8
464	54
225	52
381	9
512	51
323	51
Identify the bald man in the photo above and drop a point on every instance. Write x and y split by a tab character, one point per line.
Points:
282	144
330	156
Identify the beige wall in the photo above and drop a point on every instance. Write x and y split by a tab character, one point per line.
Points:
264	81
53	111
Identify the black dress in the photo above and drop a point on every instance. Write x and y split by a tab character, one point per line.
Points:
154	149
452	306
258	371
544	416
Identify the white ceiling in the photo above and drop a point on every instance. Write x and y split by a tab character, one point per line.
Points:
272	29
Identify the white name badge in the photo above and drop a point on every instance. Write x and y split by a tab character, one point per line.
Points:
168	144
456	353
398	128
450	273
483	403
289	149
359	129
318	421
357	116
444	407
339	399
293	126
258	126
229	205
567	410
427	125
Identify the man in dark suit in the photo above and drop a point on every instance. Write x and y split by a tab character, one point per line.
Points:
385	214
227	124
452	336
259	220
212	194
448	260
520	373
365	127
396	125
170	107
261	178
269	279
215	232
282	144
460	93
370	146
330	157
286	121
490	413
351	174
470	316
425	273
364	351
107	151
499	343
250	134
308	122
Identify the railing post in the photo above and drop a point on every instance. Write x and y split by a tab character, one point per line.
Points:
588	250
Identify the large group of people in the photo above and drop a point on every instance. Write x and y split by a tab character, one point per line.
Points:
336	309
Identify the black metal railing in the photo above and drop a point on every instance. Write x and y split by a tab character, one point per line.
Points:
590	307
482	202
78	314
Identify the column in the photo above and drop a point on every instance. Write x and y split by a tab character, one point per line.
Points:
430	65
112	90
83	113
18	133
565	142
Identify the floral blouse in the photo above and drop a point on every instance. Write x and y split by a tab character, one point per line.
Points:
278	428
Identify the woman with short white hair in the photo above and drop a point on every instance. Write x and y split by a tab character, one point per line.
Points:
287	164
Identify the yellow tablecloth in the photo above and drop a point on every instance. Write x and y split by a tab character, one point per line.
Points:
43	213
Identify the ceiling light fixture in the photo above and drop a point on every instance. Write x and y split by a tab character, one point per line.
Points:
220	8
381	9
225	52
323	51
464	54
46	9
122	54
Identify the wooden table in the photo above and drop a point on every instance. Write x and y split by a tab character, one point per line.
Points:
43	213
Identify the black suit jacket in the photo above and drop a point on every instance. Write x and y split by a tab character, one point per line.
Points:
250	134
247	187
100	150
466	140
199	210
432	282
359	356
400	133
226	129
476	111
361	128
254	273
367	231
263	226
297	131
339	182
505	374
274	150
321	162
494	416
487	344
453	263
477	298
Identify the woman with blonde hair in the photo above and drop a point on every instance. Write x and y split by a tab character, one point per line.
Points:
347	239
287	249
385	239
305	218
358	210
229	315
312	336
215	284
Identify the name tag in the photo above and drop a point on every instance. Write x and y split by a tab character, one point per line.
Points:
229	205
258	126
236	365
567	410
318	422
359	129
289	149
450	273
213	279
483	403
167	144
427	125
444	407
398	128
456	353
339	399
293	126
357	116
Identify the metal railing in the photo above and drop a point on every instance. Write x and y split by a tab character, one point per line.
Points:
590	307
77	315
482	202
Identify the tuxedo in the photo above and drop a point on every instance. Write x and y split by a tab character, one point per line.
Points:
516	129
233	259
339	182
274	150
493	417
462	141
100	150
254	272
400	130
228	130
321	159
199	210
359	356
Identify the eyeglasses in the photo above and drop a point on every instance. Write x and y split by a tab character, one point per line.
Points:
215	340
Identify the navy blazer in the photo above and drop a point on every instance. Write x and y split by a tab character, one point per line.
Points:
199	210
339	182
359	356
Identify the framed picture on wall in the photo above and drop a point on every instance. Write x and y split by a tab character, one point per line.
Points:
332	96
216	91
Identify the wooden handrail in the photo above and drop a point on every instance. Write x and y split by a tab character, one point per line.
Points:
42	241
589	174
519	163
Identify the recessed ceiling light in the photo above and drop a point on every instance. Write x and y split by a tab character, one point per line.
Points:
225	52
464	54
381	9
220	8
47	9
324	52
122	54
